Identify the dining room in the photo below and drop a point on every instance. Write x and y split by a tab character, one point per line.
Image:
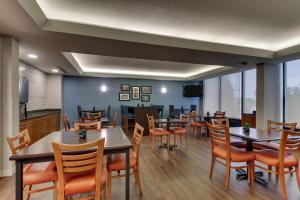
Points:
149	100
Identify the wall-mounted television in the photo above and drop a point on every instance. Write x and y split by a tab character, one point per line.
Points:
193	90
23	90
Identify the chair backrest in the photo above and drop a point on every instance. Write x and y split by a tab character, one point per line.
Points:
220	137
172	111
151	122
193	107
93	114
115	122
88	126
91	119
184	120
77	162
137	137
193	116
289	146
18	142
278	126
219	114
220	121
66	122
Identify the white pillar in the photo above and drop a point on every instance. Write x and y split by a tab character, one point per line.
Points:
9	102
269	97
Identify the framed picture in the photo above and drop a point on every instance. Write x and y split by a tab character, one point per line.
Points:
135	92
125	87
146	89
145	98
124	96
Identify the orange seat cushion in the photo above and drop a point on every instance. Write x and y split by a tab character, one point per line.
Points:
118	162
37	173
266	145
270	157
179	131
159	132
237	155
83	182
199	124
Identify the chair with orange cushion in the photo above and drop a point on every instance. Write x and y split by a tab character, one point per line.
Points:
224	121
115	122
274	126
286	160
223	151
181	130
35	173
197	126
80	173
157	132
88	126
118	162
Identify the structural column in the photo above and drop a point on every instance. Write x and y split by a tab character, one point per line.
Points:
268	94
9	101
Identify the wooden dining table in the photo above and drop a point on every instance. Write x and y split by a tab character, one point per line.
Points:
41	151
254	135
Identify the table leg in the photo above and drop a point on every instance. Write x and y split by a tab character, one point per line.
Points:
127	190
19	180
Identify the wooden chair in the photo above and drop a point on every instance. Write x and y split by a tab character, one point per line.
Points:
181	130
115	122
197	126
93	114
117	162
219	114
66	122
35	173
274	126
78	172
286	158
124	124
88	126
157	132
221	150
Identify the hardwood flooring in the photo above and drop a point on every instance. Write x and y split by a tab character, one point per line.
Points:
179	175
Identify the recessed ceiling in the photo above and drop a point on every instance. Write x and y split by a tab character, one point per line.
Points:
139	68
270	25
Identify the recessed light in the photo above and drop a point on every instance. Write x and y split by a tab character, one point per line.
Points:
55	70
103	88
32	56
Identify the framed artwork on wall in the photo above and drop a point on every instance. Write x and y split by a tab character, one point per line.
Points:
124	96
146	89
135	92
145	98
125	87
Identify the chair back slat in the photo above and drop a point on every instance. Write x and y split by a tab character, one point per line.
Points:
115	122
137	137
220	121
279	126
18	142
219	114
88	126
93	114
151	122
289	145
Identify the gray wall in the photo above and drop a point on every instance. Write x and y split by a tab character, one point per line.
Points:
85	91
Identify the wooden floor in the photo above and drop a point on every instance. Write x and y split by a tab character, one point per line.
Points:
182	174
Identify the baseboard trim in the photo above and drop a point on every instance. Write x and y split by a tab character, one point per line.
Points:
8	172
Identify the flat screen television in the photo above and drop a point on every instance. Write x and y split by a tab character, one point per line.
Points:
23	90
193	90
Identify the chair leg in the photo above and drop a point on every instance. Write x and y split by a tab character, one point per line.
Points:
227	177
138	178
298	177
277	174
249	168
109	185
180	139
26	192
168	138
253	174
174	139
161	140
212	164
269	173
282	183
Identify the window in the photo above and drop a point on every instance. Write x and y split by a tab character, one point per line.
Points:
292	91
211	95
249	91
231	95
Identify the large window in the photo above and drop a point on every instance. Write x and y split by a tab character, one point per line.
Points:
211	95
231	95
292	91
249	91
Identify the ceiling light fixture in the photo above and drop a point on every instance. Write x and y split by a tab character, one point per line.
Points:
32	56
55	70
103	88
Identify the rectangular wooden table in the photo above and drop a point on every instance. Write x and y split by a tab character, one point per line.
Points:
41	151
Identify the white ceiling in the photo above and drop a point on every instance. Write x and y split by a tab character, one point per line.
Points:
150	69
270	25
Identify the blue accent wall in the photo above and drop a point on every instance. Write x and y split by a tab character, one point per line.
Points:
85	91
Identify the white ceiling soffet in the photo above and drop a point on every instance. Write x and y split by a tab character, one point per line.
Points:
270	25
